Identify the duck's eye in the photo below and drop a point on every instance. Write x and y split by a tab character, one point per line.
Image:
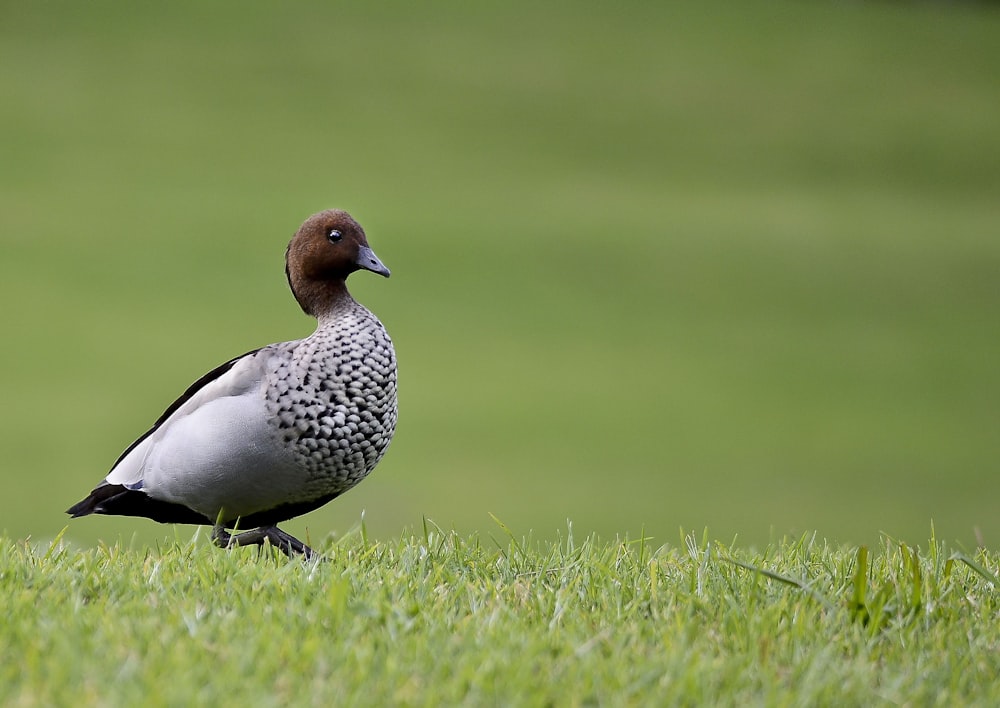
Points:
333	235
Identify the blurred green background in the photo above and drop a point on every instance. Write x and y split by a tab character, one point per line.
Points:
655	265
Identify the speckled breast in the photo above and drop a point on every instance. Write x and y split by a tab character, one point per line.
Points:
332	399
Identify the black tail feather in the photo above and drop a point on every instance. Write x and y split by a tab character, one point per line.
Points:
117	500
91	504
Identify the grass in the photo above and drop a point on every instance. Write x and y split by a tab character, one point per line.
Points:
437	618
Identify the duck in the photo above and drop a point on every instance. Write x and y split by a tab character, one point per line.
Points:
281	430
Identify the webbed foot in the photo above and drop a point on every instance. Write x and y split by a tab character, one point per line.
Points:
286	543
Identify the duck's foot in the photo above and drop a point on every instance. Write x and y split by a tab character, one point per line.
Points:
286	543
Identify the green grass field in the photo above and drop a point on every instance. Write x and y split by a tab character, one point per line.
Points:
714	265
440	619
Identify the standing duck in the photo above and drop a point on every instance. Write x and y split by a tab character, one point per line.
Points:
278	431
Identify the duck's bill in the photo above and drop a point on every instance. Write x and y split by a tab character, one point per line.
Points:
369	261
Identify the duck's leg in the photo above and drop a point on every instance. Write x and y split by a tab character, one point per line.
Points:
286	543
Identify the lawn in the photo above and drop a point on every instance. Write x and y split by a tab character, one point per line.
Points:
654	266
435	618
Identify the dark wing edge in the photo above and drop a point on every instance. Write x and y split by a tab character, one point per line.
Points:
118	500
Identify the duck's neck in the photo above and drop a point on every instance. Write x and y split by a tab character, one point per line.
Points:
323	299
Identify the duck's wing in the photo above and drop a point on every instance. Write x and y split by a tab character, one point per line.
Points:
217	385
120	493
